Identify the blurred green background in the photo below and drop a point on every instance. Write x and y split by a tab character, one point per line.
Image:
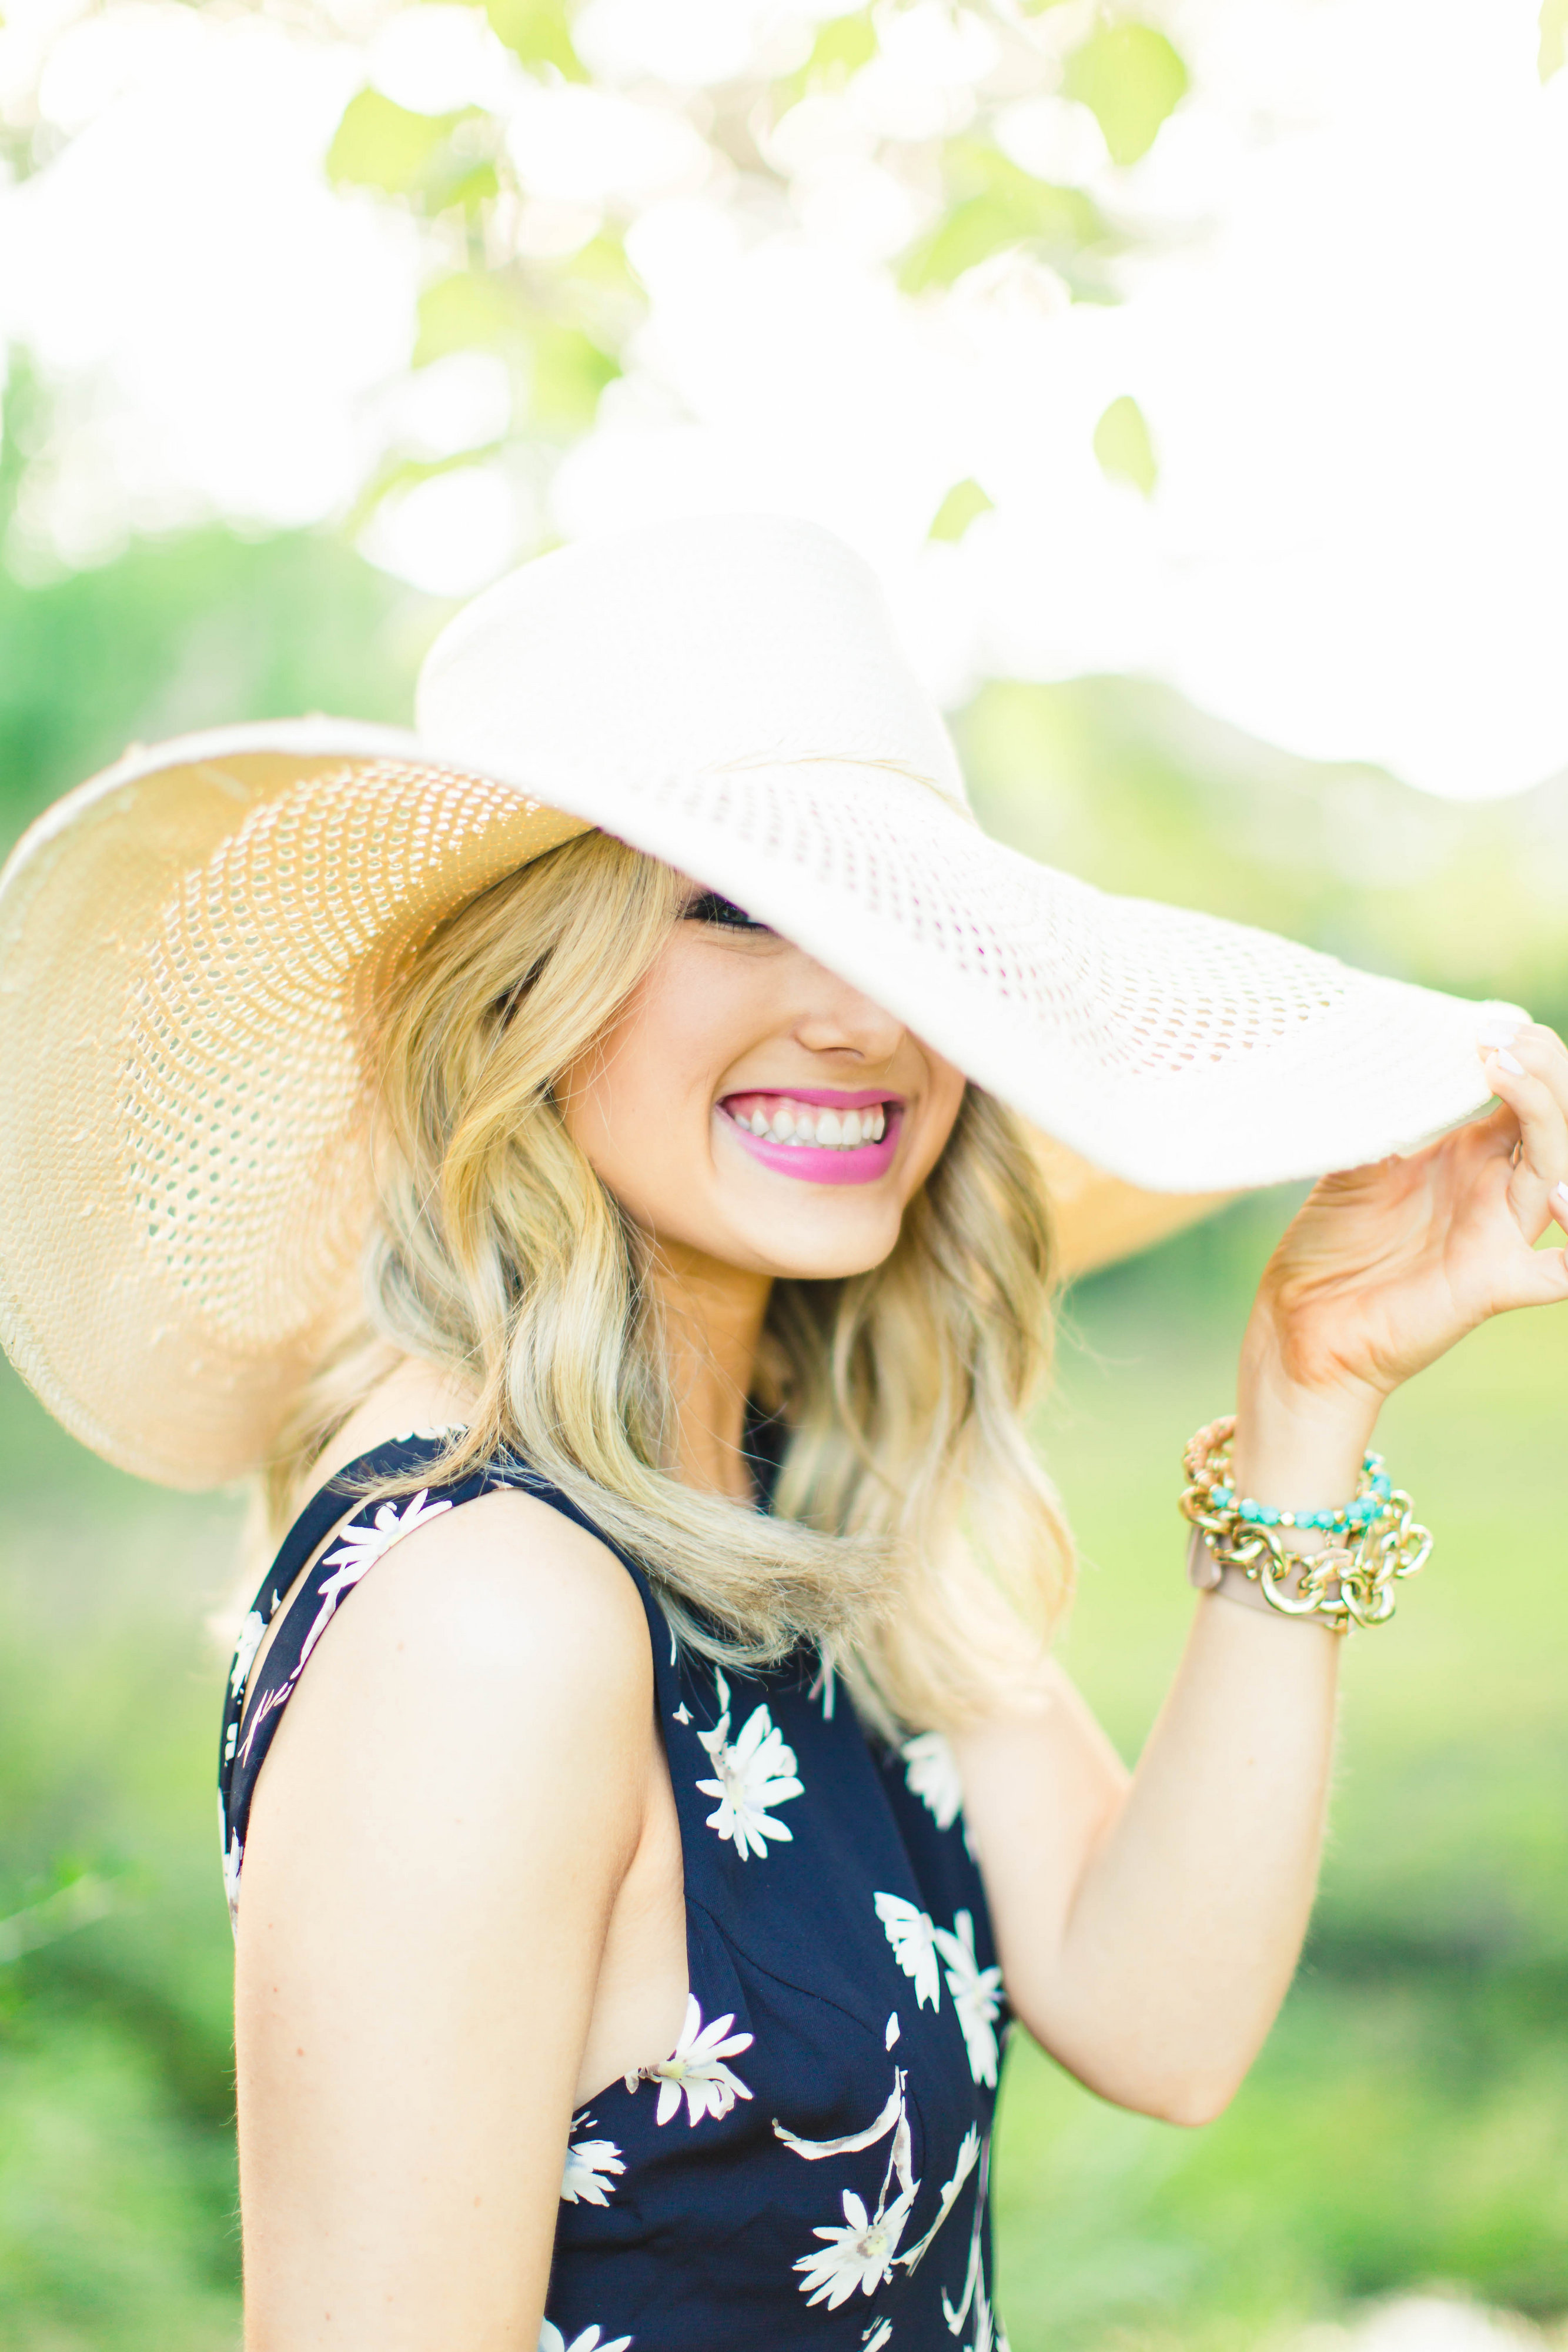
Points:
1409	2121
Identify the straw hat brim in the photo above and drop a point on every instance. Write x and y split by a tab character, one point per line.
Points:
190	944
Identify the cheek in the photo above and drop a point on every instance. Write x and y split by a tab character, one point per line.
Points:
639	1101
945	1100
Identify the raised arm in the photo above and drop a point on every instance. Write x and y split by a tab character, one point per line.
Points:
1149	1926
454	1797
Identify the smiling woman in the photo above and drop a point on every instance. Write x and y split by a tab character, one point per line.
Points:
579	1156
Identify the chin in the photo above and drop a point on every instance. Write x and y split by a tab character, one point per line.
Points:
824	1256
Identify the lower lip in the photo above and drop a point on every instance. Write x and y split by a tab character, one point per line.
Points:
813	1163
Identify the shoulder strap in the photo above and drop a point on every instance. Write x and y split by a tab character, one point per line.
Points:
251	1715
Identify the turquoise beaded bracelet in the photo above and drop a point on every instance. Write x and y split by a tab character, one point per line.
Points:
1367	1505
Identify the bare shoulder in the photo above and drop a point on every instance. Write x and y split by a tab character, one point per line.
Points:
497	1633
509	1590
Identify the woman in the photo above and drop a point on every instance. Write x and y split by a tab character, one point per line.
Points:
634	1885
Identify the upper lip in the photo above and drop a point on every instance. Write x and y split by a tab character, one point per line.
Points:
825	1098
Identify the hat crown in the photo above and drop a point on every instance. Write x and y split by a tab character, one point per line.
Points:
725	642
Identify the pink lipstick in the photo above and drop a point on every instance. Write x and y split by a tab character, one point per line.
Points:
818	1135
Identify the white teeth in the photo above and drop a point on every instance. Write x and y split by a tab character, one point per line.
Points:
799	1123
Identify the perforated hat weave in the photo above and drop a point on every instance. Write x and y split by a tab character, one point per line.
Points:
190	945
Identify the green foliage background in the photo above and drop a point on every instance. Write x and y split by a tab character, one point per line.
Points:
1409	2118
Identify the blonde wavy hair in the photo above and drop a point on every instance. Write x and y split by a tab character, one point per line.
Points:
914	1536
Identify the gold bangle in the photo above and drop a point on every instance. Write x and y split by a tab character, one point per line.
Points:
1205	1573
1348	1582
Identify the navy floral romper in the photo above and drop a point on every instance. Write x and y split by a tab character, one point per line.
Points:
807	2168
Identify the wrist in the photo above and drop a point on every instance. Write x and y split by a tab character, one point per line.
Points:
1299	1444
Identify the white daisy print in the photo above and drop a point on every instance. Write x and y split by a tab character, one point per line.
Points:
976	1996
234	1856
358	1548
968	2156
695	2069
755	1773
858	2254
245	1648
914	1939
875	2337
974	2280
859	2251
589	2165
891	2118
931	1772
552	2340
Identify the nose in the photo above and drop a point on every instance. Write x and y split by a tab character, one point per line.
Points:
835	1018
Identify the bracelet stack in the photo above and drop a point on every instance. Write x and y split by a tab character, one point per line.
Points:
1374	1540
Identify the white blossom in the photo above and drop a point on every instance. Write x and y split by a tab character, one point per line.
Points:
245	1648
968	2156
695	2068
976	1996
756	1772
893	2118
552	2340
859	2252
358	1550
914	1939
590	2163
931	1771
875	2337
234	1855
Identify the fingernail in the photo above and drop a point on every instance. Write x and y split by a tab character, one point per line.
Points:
1560	1192
1505	1061
1497	1033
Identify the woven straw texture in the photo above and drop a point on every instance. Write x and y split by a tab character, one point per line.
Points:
190	945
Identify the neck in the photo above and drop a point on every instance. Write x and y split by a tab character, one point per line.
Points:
713	1317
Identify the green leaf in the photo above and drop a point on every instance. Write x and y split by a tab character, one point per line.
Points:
1129	77
842	46
996	204
432	160
568	372
1552	54
471	311
538	33
563	368
1123	445
964	502
399	474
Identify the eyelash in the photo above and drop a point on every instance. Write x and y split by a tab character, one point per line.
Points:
711	908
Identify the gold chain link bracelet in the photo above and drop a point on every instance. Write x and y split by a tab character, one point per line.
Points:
1350	1581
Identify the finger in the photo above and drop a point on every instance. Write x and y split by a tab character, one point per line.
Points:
1540	1166
1536	1048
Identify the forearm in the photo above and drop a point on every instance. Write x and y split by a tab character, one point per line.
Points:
1176	1941
1184	1929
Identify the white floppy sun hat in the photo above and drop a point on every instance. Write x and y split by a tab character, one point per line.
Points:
190	944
